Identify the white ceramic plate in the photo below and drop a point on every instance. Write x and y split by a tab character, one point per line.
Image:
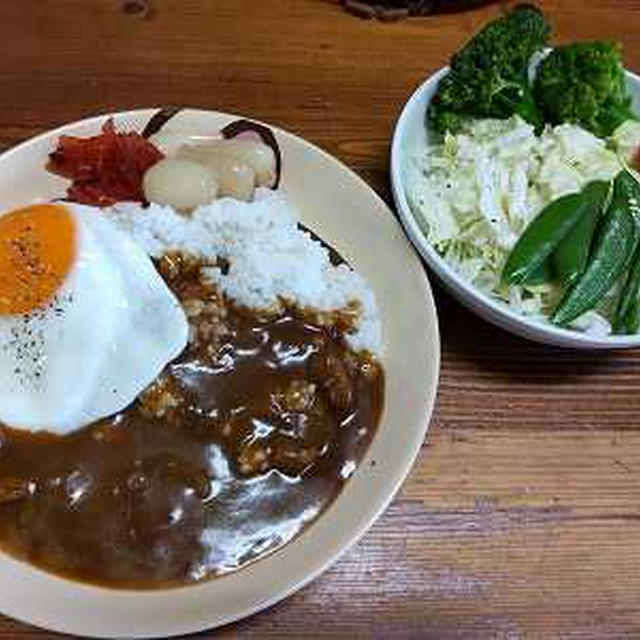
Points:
346	213
410	133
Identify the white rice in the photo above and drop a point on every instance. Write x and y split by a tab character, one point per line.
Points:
270	259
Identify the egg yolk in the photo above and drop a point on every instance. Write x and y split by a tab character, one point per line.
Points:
37	250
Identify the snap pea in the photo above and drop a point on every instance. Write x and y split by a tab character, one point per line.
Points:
628	296
541	237
632	319
543	274
571	255
614	247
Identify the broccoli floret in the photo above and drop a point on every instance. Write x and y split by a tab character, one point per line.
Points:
584	83
489	76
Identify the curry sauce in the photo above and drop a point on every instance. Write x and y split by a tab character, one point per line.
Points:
241	442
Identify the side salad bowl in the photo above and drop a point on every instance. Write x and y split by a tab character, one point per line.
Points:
411	133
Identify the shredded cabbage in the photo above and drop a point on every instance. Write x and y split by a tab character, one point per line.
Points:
474	193
626	140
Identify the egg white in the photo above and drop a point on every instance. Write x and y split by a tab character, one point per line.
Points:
105	336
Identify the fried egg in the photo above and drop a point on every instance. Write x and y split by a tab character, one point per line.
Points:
86	321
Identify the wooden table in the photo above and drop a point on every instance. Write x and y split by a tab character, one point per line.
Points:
521	519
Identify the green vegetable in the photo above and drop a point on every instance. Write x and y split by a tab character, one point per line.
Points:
570	257
584	83
489	76
614	247
632	319
543	274
541	237
628	296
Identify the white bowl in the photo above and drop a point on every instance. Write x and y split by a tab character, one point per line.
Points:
410	131
346	213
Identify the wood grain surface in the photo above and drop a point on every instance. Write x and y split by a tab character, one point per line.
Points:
521	518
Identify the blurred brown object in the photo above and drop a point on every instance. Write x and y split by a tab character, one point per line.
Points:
390	10
137	8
